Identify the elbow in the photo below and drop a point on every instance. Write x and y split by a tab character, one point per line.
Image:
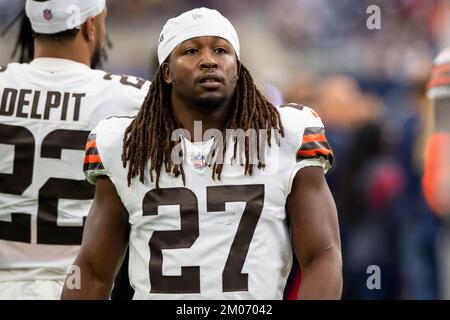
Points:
332	259
83	283
335	266
330	256
322	275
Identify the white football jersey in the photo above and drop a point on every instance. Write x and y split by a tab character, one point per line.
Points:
438	87
47	109
211	239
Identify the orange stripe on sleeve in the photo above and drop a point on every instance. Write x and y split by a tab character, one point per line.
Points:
92	159
441	81
91	144
314	152
441	68
314	138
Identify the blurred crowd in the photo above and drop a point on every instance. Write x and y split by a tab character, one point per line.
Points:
368	87
376	181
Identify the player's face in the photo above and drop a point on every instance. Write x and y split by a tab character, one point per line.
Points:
203	71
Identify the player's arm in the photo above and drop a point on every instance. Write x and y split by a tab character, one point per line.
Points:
105	240
311	209
436	179
315	235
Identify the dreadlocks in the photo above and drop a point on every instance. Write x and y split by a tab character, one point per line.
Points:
148	137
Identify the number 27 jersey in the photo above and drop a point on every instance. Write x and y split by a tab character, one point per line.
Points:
211	239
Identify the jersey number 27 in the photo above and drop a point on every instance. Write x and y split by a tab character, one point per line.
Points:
189	281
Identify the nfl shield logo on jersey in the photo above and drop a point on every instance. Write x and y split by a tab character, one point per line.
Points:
199	161
48	15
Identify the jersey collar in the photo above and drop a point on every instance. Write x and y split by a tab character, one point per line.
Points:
57	64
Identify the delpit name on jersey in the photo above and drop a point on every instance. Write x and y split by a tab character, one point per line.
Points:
47	109
24	103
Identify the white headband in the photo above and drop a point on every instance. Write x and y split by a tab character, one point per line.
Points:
55	16
195	23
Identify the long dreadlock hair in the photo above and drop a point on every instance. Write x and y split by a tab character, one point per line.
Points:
24	46
148	137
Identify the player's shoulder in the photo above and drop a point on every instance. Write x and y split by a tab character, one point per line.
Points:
13	68
104	146
129	90
113	125
439	83
109	132
295	117
124	83
443	57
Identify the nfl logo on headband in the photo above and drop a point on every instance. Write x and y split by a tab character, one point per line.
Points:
48	15
53	16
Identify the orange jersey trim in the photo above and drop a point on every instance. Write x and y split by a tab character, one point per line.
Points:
91	144
92	159
314	138
438	82
314	152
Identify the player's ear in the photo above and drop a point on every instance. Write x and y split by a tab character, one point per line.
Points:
166	72
88	29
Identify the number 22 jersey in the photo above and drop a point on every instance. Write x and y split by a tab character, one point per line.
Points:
47	109
211	239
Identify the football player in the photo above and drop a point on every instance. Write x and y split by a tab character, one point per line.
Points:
210	218
437	166
436	179
47	109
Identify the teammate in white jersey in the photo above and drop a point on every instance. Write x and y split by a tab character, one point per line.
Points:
203	227
47	109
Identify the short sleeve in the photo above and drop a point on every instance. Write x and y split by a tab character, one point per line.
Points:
315	148
312	148
439	82
93	165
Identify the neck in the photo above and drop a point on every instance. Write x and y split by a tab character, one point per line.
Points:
211	118
69	50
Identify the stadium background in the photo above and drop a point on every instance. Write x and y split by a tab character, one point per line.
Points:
369	88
